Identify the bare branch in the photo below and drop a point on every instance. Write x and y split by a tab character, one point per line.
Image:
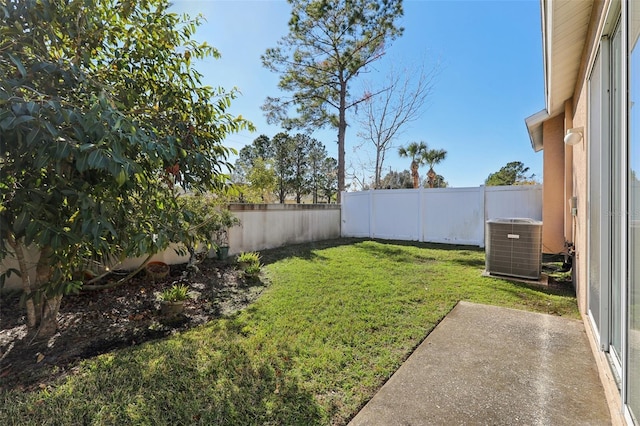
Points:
389	110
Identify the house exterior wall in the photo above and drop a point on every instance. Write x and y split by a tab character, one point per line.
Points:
602	278
553	186
580	224
580	191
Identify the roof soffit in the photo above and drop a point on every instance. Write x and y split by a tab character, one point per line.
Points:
564	31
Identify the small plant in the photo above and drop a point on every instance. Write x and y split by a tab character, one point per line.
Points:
224	221
249	258
252	270
177	293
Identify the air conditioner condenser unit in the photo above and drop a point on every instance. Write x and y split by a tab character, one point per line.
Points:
513	247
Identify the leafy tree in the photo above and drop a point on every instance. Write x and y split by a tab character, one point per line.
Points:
101	116
300	161
385	115
283	164
397	180
294	161
261	147
416	151
514	173
433	157
328	184
330	42
317	156
261	181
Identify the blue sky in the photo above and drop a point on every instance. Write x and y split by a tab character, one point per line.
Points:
489	55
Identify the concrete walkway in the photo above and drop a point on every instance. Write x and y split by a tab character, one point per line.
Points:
485	365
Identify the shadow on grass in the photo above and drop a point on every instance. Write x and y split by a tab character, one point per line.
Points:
434	246
393	249
472	263
394	252
556	290
306	251
208	376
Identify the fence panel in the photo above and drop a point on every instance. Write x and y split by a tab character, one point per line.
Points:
355	214
393	214
514	201
440	215
454	216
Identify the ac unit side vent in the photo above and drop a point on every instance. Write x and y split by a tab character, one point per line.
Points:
513	247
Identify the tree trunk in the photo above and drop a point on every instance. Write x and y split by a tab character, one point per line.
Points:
41	312
342	130
18	250
432	177
415	175
47	308
49	316
281	192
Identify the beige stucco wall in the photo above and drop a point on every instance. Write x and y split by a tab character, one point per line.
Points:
580	191
553	186
575	181
580	162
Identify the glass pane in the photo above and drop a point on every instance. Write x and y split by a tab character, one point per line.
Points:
633	377
594	202
616	192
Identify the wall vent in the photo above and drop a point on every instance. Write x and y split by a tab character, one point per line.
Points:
513	247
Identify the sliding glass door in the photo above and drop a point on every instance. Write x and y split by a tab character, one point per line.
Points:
633	179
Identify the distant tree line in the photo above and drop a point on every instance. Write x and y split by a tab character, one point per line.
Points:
286	167
514	173
404	180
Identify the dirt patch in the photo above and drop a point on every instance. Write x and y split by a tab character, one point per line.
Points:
99	321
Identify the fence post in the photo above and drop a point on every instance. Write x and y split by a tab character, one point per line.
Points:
484	215
420	217
371	214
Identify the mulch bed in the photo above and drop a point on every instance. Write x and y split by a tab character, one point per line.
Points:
99	321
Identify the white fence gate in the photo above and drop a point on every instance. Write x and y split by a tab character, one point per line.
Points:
439	215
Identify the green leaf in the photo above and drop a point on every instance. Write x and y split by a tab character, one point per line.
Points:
121	178
21	222
81	162
95	159
50	127
18	64
33	135
7	123
63	150
22	119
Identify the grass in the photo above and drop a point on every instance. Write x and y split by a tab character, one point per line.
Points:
336	322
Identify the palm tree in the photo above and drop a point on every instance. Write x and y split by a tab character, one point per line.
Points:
433	157
416	151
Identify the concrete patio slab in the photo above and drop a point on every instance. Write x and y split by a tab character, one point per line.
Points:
486	365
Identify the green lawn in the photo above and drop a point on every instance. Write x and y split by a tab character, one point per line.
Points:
336	321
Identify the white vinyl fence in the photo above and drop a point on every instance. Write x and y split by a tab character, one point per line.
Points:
439	215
